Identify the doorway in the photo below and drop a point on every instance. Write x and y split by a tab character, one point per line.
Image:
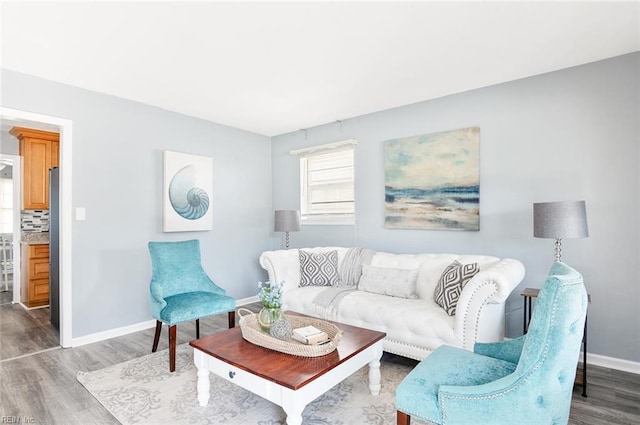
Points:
25	331
14	117
10	186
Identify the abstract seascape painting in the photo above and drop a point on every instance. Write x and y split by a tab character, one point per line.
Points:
188	186
432	181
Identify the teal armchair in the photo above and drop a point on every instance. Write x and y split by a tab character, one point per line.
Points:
180	291
525	380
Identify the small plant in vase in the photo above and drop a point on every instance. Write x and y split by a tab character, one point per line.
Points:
270	295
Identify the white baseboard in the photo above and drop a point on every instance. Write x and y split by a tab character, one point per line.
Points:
612	363
112	333
31	308
125	330
246	301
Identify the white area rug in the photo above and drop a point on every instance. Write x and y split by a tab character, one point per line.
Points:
143	391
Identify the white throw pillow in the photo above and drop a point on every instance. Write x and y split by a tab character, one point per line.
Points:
388	281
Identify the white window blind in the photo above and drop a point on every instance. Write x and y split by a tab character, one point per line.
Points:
327	185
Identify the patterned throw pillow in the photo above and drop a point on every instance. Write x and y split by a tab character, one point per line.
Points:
318	268
454	277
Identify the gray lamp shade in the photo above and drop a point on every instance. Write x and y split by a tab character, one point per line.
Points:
559	220
287	221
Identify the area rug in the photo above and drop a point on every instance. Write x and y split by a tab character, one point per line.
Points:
143	391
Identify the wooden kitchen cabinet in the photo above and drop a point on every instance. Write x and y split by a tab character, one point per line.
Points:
34	263
55	154
40	151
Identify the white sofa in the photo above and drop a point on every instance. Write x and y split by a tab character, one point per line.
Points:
414	327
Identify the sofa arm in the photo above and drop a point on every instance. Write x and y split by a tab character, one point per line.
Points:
282	266
480	310
268	260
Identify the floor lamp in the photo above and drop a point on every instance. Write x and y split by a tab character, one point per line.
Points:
286	221
560	220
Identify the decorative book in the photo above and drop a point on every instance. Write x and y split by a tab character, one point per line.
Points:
310	335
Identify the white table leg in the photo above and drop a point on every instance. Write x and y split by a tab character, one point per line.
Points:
293	410
374	376
203	386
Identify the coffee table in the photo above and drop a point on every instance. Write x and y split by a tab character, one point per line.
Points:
289	381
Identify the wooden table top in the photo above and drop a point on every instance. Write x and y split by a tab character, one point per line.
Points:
284	369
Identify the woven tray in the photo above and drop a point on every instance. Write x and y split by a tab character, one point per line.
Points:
252	332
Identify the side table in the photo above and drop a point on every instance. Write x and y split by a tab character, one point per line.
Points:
531	293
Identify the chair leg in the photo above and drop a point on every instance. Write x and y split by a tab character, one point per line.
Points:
197	328
403	418
232	319
172	348
156	338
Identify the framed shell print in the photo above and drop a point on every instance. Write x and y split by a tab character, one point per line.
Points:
187	192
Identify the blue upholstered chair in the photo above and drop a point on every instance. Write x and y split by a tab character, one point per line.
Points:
524	380
181	291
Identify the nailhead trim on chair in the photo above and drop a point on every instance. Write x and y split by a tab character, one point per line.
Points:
412	413
518	383
487	397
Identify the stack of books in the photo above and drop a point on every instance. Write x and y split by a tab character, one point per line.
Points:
310	335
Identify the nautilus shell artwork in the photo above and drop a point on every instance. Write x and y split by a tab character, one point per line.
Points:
187	185
187	200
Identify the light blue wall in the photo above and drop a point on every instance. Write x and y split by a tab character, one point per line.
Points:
117	175
571	134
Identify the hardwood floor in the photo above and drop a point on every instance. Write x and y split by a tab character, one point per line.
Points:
42	387
25	331
6	296
613	398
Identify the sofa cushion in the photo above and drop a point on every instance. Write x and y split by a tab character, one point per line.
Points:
413	322
318	268
454	277
389	281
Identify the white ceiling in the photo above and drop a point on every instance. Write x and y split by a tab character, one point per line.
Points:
273	68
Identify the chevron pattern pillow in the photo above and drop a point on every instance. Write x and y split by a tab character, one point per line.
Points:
454	277
318	268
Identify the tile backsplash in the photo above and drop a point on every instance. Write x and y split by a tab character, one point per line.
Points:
34	220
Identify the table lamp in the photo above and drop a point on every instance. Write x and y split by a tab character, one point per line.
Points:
287	221
560	220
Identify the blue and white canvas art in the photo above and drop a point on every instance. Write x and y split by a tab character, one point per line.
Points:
188	186
432	181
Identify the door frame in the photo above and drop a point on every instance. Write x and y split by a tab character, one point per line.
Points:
17	201
65	127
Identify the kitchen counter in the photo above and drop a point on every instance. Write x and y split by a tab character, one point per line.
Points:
34	238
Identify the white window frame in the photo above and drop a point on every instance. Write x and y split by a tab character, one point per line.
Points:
315	151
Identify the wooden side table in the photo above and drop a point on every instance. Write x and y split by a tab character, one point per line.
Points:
581	378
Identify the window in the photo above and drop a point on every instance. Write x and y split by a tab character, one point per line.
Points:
327	183
6	206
